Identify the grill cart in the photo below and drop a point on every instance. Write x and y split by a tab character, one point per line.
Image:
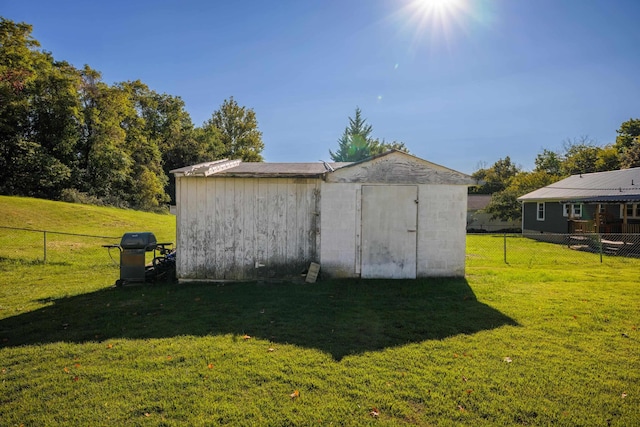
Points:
133	267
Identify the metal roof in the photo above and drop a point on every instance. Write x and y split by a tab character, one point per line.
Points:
237	168
607	187
281	169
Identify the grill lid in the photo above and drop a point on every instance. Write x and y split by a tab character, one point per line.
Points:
146	241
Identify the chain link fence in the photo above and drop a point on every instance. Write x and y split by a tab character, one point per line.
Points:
54	247
43	246
552	249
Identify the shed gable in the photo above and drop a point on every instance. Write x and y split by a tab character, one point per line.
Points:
396	167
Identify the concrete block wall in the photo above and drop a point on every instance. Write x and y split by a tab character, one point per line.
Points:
441	245
442	230
338	228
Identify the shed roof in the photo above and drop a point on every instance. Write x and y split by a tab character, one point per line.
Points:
237	168
607	187
391	166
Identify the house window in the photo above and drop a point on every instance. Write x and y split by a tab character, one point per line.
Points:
577	211
633	210
572	210
540	211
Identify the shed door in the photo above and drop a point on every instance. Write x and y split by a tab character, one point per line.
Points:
389	233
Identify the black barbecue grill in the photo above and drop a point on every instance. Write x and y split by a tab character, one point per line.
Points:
133	267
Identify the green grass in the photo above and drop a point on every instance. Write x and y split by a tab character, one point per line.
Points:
543	342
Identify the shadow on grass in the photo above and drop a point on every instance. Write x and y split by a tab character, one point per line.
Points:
338	317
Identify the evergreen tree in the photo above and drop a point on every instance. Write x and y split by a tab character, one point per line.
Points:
355	143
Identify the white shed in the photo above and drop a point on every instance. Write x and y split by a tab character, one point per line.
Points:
390	216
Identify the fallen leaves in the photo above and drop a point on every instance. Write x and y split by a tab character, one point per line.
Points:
294	395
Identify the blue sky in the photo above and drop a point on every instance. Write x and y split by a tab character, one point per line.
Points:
462	85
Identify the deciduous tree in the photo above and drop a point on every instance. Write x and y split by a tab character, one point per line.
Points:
628	143
237	130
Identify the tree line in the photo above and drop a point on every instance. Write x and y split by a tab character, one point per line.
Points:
506	181
67	135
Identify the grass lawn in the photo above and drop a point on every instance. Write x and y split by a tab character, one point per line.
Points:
536	343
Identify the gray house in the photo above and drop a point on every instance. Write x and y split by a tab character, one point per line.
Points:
601	202
390	216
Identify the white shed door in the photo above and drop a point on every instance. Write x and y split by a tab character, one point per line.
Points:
389	232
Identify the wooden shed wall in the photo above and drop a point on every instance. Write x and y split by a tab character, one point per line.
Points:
245	228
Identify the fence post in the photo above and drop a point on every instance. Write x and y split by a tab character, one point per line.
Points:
600	246
505	247
45	246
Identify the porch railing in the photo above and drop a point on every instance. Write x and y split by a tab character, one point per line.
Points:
590	226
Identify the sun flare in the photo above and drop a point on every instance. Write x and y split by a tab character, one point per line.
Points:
438	6
439	20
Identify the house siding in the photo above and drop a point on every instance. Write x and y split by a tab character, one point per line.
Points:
553	222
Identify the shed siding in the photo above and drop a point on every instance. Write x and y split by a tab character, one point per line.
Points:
338	224
227	225
441	230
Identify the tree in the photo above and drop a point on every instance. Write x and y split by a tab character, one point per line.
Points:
608	159
354	144
549	161
628	134
496	178
39	116
504	204
237	129
581	156
379	147
628	143
357	144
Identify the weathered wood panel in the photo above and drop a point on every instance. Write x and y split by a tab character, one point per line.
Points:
209	231
229	220
245	228
218	267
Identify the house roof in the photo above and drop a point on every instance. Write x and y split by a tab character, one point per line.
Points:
599	187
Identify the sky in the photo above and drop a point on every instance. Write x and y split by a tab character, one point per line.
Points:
462	83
